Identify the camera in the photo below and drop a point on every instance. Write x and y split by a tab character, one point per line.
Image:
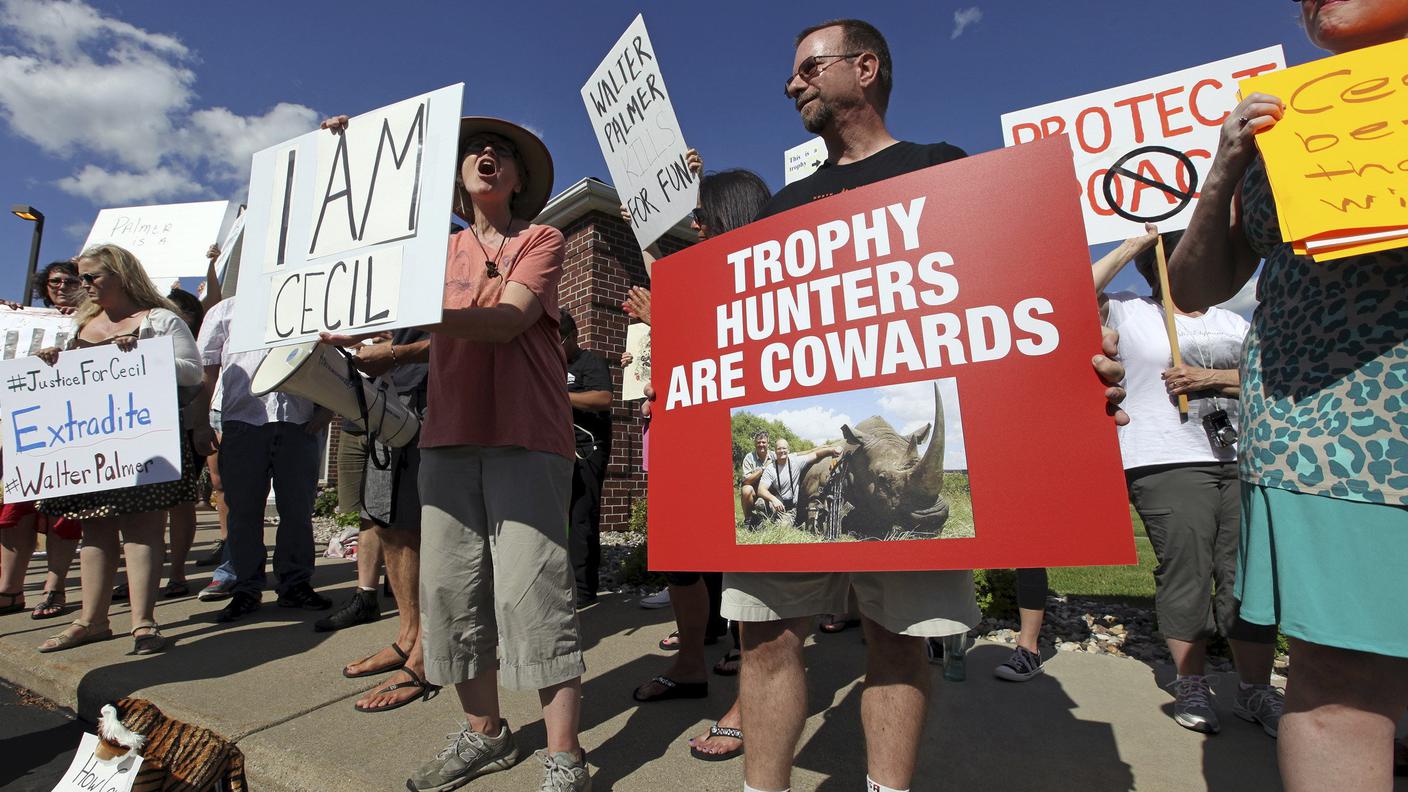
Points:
1220	429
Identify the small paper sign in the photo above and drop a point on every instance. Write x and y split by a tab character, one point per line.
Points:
637	373
88	773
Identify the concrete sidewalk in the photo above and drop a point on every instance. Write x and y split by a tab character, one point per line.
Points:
273	684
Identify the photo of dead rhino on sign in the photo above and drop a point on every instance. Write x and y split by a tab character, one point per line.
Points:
874	483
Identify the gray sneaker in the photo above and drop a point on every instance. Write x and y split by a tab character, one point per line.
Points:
1192	704
563	772
468	756
1260	704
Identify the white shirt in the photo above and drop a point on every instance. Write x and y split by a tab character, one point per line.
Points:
235	401
1156	434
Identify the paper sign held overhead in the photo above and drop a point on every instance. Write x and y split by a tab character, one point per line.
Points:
227	264
945	377
802	160
347	232
1338	159
1141	150
100	419
639	135
170	240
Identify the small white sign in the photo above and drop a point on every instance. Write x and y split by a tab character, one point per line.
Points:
88	773
1142	150
25	331
332	218
639	135
803	160
170	240
228	262
100	419
637	373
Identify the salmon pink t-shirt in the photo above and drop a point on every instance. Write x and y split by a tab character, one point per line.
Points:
509	394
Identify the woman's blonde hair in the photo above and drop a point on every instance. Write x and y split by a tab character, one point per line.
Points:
121	264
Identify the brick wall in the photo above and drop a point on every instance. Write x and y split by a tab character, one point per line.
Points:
603	262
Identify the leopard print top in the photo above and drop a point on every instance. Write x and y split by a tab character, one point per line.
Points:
1325	367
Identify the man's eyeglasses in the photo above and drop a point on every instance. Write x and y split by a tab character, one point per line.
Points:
811	68
63	283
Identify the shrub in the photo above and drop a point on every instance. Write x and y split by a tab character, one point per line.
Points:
347	519
637	522
636	572
997	592
325	505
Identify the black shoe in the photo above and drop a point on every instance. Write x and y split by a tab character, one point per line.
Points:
361	607
303	596
241	605
214	556
120	593
584	599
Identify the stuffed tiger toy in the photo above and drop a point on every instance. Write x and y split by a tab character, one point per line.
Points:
176	756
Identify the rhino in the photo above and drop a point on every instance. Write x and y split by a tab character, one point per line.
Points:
881	484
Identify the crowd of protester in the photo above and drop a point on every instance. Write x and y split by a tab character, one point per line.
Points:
488	525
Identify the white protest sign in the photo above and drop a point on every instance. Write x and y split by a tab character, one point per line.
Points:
169	240
636	375
346	232
100	419
802	161
229	259
25	331
88	773
639	135
1143	149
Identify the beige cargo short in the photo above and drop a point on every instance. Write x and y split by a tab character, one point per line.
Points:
496	585
922	604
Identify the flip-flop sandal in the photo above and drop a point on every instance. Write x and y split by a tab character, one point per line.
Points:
121	593
427	692
396	666
673	690
722	669
671	642
15	603
719	731
64	640
150	642
834	625
52	605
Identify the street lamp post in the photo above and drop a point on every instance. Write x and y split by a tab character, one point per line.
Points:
35	216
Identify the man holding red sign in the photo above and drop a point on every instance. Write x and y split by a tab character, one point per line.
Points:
841	85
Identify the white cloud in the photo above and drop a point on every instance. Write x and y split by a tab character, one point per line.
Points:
911	405
964	18
817	424
102	92
1244	301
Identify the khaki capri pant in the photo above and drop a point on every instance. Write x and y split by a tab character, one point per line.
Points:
496	584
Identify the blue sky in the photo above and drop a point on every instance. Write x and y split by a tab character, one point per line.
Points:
114	104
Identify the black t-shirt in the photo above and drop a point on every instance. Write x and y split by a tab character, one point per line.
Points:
898	159
588	372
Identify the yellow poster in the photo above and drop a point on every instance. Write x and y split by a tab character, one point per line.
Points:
1338	159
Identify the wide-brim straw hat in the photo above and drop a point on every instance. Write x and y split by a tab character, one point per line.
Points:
532	154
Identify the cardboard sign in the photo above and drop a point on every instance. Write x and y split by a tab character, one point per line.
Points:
101	419
639	135
1336	158
88	773
169	240
635	375
228	262
879	322
802	160
25	331
346	232
1142	149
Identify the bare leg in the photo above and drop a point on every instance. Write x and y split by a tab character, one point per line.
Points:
479	698
16	548
61	553
401	548
1254	661
368	555
217	493
691	605
562	712
1031	628
1188	656
183	534
892	704
1341	710
143	537
772	694
97	566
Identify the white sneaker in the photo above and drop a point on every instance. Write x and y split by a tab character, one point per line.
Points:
660	599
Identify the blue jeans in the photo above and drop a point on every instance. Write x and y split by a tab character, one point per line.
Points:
251	457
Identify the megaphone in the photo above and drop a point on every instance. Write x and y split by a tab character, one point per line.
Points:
319	373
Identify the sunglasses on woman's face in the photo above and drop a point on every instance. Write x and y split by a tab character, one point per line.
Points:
697	215
90	278
500	146
63	283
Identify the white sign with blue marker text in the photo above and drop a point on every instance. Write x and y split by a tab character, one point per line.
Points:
640	137
99	419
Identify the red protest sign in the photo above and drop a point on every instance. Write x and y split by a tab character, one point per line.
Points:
936	331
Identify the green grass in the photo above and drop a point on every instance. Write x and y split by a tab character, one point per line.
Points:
958	525
1133	584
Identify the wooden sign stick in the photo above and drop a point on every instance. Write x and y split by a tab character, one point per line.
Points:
1169	324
